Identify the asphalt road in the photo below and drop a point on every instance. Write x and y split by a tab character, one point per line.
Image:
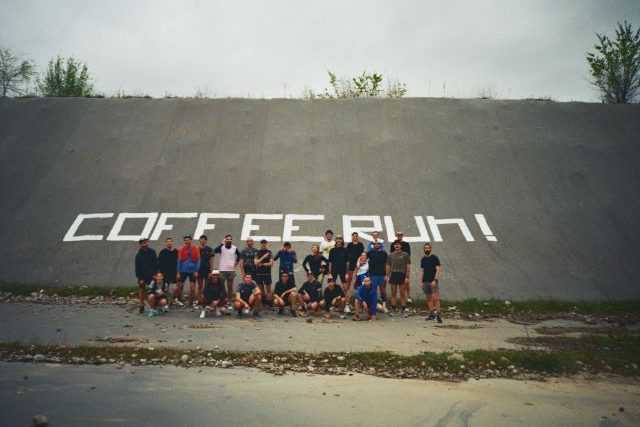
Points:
80	396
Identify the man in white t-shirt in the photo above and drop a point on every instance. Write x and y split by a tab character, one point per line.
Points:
327	244
227	261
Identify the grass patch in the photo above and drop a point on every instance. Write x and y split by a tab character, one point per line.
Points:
587	357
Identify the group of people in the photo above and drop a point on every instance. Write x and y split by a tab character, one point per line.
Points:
362	272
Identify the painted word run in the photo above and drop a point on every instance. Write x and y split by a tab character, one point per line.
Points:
430	228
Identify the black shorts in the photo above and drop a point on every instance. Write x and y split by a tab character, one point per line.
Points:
341	274
263	278
209	298
428	289
397	278
285	298
185	276
203	274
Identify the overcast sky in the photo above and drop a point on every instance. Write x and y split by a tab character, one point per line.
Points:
513	49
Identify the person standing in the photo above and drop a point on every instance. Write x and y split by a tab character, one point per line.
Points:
377	272
188	267
376	239
431	271
355	248
247	259
327	244
338	261
406	247
315	263
206	254
398	270
228	261
168	264
146	266
264	262
288	258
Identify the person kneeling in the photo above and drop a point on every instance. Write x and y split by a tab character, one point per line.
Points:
156	296
311	294
334	298
248	297
285	294
366	299
214	294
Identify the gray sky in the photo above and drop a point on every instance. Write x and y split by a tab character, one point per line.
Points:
513	49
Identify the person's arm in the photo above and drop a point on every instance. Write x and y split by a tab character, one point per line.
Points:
294	256
270	262
277	255
238	258
138	264
305	263
242	272
330	262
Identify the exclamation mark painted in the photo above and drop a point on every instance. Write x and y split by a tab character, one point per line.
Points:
484	227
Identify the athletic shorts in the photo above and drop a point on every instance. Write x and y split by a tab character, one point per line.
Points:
428	289
351	267
359	279
341	274
185	276
263	278
208	299
397	278
286	298
227	275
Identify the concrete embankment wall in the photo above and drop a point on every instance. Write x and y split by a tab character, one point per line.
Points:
556	183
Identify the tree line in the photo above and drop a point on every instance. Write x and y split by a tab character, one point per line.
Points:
614	67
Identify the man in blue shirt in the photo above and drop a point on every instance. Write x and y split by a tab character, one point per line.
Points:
287	257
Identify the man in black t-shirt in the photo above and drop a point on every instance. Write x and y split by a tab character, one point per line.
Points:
206	253
333	297
378	271
431	271
285	294
168	264
311	294
405	247
263	262
146	265
338	261
214	294
355	248
248	298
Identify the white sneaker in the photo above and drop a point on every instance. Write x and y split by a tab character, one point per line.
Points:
218	313
203	313
385	310
245	311
409	301
379	307
179	303
347	309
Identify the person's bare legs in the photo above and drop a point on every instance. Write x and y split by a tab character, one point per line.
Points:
141	289
394	296
403	294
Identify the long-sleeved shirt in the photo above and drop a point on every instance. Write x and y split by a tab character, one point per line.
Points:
168	264
314	263
146	264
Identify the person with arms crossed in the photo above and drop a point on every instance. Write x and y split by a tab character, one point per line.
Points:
398	270
188	267
248	298
285	294
263	262
431	271
228	261
146	266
